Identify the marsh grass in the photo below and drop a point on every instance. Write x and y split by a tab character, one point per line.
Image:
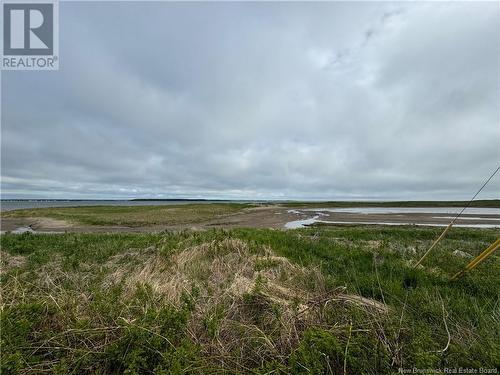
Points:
133	216
318	300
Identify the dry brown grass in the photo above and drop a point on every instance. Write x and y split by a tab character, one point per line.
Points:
247	301
8	261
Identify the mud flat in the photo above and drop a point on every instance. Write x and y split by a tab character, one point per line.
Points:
150	219
427	216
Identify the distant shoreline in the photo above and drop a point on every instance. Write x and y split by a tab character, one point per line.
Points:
126	200
291	203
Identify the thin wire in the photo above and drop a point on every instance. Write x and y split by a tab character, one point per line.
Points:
453	221
475	195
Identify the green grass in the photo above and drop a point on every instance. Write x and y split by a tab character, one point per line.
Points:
67	306
133	216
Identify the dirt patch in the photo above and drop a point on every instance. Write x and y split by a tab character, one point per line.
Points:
37	224
47	223
256	217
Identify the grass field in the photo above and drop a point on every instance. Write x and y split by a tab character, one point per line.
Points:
316	300
132	216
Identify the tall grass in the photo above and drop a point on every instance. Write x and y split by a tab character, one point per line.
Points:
318	300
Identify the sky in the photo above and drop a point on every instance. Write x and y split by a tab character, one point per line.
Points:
348	101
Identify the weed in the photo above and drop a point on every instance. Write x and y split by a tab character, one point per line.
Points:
318	300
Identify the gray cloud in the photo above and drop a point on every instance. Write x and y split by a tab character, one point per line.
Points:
259	100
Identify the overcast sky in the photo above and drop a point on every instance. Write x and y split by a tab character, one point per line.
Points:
259	101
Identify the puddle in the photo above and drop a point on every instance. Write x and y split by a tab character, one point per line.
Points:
301	223
28	229
22	230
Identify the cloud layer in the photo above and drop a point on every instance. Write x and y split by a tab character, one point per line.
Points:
259	101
